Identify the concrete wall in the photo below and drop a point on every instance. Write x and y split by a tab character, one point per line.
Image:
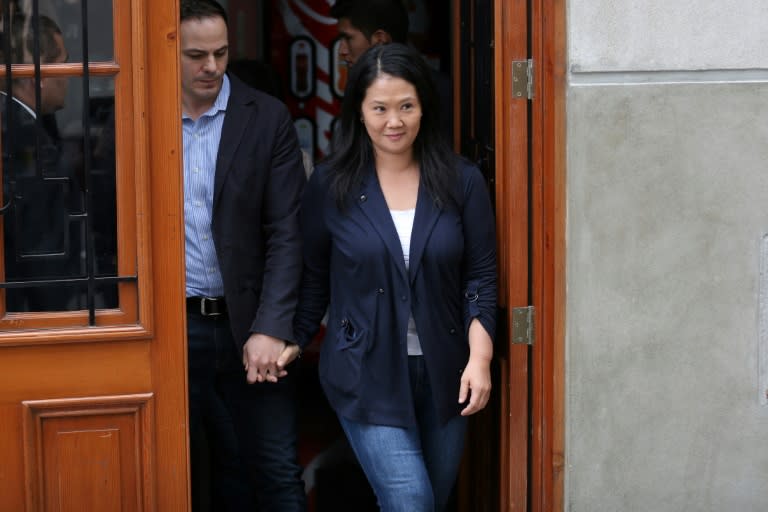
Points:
667	213
611	35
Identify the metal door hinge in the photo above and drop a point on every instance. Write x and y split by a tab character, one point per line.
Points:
522	79
523	325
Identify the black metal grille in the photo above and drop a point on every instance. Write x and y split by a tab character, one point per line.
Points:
59	195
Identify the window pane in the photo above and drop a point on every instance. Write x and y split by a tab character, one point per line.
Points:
59	196
67	17
100	34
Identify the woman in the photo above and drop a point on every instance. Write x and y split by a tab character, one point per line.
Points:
399	240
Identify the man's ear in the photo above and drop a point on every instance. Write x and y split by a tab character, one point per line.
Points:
26	83
381	37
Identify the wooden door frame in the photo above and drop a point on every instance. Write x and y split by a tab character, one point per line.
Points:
162	109
548	221
532	433
511	126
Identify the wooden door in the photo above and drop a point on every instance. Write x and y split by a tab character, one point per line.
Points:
515	129
92	350
493	129
547	254
512	157
530	197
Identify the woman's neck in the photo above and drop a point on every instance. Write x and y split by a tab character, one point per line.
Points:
396	164
399	181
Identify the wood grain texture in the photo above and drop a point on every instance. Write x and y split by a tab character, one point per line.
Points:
548	147
512	170
163	203
89	454
136	350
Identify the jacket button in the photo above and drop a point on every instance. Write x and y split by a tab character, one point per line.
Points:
363	197
380	291
343	322
452	330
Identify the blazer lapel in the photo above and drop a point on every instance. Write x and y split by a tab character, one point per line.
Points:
239	111
427	213
370	200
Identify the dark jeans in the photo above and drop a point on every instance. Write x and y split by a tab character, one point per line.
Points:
250	429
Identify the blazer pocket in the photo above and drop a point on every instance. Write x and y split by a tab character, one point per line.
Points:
349	335
345	361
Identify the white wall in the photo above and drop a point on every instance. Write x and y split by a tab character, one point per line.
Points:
617	35
667	210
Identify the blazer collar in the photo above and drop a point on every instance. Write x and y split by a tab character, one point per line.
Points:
427	213
370	200
240	107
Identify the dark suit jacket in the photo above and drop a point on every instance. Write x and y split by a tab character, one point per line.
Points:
354	258
257	189
40	242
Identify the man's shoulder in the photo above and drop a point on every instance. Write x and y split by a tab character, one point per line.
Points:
18	116
16	107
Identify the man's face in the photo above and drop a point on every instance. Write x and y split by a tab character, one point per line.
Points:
204	54
53	90
352	42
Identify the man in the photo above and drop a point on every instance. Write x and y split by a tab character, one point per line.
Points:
243	177
365	23
36	190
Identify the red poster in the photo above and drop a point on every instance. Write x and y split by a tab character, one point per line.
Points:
301	38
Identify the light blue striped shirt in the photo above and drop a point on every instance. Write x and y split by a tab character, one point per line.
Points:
201	146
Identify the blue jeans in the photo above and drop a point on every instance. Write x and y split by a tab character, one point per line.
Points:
250	429
411	470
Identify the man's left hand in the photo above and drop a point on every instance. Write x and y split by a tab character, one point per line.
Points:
260	358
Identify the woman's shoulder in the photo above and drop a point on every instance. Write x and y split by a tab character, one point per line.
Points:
465	167
468	174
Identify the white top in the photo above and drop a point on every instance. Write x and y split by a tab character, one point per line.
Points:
403	220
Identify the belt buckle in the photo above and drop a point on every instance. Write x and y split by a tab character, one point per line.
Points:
204	310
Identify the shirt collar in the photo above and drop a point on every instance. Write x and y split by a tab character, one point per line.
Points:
220	105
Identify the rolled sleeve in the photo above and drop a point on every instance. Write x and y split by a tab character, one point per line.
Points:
480	286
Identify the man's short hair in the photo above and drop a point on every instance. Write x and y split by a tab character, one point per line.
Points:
23	40
50	50
199	9
368	16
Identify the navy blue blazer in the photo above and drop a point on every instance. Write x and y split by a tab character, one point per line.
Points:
353	261
255	224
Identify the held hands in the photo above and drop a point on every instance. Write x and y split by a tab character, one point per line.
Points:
265	358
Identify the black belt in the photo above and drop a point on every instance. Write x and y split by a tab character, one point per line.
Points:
207	306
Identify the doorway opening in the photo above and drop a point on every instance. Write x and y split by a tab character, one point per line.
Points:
290	49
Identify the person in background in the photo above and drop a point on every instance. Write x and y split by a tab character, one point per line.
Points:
243	178
37	189
365	23
400	244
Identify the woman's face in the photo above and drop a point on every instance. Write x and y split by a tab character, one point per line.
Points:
391	112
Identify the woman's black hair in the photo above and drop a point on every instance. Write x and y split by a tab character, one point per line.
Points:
352	151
